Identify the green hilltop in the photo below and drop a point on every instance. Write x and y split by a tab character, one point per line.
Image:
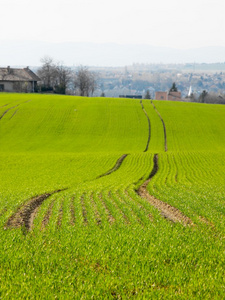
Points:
111	198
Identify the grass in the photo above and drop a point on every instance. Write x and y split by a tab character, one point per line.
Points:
98	238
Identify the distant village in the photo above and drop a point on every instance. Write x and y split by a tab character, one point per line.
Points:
193	82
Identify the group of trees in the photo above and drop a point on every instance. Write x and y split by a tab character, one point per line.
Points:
215	98
57	78
206	97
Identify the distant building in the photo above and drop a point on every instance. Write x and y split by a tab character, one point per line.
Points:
18	80
174	96
161	95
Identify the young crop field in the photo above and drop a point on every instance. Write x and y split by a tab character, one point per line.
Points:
106	198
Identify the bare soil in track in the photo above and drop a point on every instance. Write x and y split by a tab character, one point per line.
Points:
116	167
24	217
167	211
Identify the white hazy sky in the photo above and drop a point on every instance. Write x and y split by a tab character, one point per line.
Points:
171	23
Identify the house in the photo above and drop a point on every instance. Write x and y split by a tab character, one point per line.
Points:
161	95
18	80
174	96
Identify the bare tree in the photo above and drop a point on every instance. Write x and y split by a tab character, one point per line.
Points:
64	76
47	73
85	81
55	77
214	98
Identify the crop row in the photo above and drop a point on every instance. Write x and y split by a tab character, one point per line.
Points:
93	209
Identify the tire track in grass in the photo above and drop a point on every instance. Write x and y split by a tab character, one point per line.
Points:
167	211
24	217
149	126
14	113
116	167
4	105
164	128
5	112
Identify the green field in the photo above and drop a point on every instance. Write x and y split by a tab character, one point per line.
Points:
111	198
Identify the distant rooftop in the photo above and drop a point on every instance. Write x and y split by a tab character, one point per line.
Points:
13	74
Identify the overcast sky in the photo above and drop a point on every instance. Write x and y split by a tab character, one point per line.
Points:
169	23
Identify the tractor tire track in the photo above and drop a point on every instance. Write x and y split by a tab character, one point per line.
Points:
164	127
116	167
167	211
14	113
149	126
4	105
5	112
24	217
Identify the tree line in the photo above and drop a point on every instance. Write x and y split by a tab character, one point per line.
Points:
59	79
206	97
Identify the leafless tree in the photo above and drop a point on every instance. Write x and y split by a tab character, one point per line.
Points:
64	77
215	98
55	77
48	73
85	81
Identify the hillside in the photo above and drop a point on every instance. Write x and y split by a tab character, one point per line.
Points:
111	198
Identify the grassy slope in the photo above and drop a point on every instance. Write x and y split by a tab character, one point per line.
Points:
59	141
67	124
55	141
193	166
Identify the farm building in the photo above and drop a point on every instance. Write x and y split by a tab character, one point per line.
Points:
175	96
18	80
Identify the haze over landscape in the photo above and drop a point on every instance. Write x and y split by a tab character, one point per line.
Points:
112	33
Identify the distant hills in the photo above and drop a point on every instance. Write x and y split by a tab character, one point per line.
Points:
23	53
